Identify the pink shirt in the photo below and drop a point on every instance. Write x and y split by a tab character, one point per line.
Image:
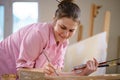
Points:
25	48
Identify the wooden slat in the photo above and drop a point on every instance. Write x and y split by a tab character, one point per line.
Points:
80	31
91	20
100	77
31	74
38	75
93	14
118	55
107	23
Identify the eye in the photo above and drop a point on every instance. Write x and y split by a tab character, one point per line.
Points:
72	30
63	27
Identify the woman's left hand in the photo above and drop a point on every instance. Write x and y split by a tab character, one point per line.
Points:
91	66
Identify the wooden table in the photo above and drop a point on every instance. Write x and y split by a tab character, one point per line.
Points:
39	75
34	74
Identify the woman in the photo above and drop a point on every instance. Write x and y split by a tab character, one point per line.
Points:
32	45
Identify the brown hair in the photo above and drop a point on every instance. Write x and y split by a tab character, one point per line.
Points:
66	8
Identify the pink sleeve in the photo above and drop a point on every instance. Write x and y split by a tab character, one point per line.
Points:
31	47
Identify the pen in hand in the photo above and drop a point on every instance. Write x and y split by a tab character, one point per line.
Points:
50	62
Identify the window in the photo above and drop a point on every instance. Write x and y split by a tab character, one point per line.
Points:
24	13
1	22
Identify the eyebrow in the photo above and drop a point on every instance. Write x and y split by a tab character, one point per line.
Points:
66	27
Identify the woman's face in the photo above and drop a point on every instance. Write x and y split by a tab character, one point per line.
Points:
64	28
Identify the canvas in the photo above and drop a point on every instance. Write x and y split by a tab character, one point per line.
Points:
80	52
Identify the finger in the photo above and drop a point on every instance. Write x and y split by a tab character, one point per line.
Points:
47	72
51	68
88	65
96	62
50	65
91	65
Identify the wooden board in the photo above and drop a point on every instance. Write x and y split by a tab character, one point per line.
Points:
100	77
31	74
38	75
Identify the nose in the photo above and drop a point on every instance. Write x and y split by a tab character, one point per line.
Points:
66	34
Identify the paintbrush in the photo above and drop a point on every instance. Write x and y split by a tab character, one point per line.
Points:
50	62
102	64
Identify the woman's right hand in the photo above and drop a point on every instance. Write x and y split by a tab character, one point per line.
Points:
49	69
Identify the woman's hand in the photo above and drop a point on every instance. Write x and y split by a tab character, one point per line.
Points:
49	69
91	66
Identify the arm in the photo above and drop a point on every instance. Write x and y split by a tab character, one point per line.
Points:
91	66
31	47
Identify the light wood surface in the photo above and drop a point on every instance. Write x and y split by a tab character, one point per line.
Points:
100	77
93	13
80	31
107	23
39	75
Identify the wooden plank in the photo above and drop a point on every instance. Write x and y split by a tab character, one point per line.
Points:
91	20
93	14
8	77
118	55
80	31
107	24
31	74
38	75
100	77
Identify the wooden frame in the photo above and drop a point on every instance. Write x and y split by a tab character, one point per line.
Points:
93	14
118	54
80	31
107	24
100	77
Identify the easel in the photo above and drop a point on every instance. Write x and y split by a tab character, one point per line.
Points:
93	14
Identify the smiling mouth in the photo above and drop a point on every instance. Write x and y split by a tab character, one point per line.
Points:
62	37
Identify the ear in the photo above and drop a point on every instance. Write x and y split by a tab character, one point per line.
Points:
54	20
